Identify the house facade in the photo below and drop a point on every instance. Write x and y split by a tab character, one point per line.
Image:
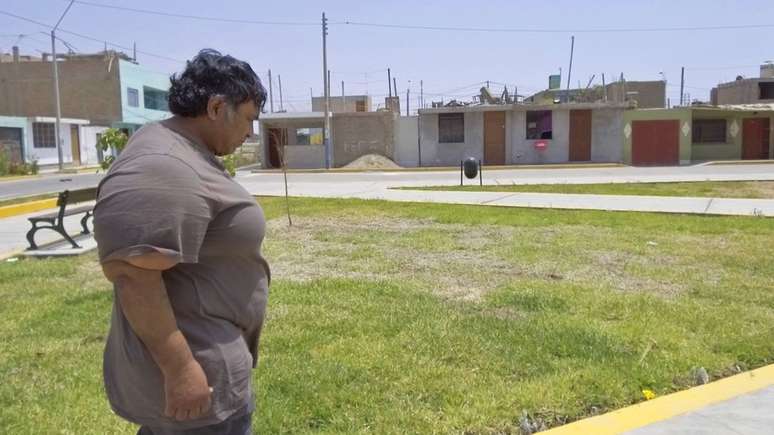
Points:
695	134
521	134
97	91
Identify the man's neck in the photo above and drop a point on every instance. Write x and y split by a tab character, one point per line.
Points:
190	127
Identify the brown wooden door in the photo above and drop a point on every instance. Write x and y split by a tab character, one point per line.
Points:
494	138
75	145
656	142
277	139
755	138
580	135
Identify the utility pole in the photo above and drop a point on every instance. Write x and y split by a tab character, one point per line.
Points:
134	52
395	86
604	88
408	91
569	72
56	86
682	84
327	130
271	95
279	80
389	85
421	95
343	97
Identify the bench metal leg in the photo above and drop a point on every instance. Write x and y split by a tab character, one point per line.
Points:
31	236
67	237
84	221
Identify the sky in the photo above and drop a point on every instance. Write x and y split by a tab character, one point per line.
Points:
449	61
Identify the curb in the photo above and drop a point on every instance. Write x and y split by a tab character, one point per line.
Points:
439	168
672	405
18	177
27	207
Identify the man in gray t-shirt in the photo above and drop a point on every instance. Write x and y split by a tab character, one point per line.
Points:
181	242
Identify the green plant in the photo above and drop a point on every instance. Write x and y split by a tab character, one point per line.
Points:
230	163
4	164
112	139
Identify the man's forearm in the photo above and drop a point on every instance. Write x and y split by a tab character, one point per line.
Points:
143	299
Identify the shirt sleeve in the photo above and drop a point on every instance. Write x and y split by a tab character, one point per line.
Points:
152	204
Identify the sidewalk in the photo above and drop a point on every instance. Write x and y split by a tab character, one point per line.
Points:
737	405
13	231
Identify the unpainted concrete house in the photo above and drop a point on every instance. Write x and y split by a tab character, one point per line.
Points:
521	133
299	136
758	90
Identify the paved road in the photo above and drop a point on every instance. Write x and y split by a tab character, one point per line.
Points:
308	183
47	184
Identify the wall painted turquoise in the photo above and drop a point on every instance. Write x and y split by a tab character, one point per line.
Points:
133	76
18	122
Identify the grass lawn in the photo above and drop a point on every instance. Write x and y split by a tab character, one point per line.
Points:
716	189
399	318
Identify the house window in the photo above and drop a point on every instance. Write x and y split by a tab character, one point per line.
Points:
766	90
360	106
709	130
451	127
43	135
309	136
132	97
539	124
155	99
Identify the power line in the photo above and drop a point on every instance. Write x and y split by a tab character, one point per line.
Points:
547	30
90	38
197	17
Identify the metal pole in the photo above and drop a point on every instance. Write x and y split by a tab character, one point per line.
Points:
604	87
389	84
408	101
271	95
480	173
56	85
569	72
327	130
279	80
56	98
421	95
343	97
682	84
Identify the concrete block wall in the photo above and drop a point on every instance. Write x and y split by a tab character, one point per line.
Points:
357	134
450	154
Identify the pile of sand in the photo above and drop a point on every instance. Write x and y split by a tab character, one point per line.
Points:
372	161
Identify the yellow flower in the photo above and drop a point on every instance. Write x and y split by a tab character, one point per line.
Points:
649	394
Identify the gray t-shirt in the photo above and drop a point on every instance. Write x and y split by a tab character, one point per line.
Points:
168	194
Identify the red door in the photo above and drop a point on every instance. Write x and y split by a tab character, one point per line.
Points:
755	138
580	135
656	142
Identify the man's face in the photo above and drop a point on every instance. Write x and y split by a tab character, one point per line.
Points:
235	126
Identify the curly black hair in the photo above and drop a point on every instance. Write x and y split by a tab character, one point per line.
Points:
212	73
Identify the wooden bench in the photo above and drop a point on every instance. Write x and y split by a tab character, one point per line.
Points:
55	221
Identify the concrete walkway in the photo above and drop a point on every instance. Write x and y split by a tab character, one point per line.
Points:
737	405
748	414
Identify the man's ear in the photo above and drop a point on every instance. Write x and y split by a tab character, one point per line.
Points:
215	107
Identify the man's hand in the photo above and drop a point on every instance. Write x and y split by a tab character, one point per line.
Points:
145	303
187	393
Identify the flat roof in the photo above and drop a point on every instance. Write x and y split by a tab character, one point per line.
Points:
520	107
278	116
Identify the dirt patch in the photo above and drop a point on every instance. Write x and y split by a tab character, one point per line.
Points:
372	161
464	262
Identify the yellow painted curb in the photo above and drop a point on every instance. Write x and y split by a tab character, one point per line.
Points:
18	177
27	207
662	408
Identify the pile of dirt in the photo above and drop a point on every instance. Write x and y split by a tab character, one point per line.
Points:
372	161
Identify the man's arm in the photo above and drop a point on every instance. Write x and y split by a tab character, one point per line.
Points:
143	299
